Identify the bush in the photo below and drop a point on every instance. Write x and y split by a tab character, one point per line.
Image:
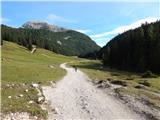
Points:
145	83
115	74
118	82
149	74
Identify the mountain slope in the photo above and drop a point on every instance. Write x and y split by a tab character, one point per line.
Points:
66	42
19	65
135	50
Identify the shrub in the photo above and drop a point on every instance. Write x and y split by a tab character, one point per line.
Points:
115	74
145	83
118	82
149	74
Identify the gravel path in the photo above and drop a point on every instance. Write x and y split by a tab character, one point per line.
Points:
75	98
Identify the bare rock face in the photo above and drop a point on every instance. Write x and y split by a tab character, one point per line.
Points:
42	25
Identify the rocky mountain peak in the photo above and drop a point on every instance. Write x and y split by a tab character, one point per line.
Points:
42	25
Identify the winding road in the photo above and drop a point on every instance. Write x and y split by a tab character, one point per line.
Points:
74	98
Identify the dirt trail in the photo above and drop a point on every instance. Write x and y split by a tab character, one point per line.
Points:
76	98
33	50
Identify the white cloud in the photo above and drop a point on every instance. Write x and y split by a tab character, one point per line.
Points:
4	20
121	29
53	17
102	38
84	31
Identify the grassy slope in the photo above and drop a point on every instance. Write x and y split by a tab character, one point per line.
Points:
20	66
95	71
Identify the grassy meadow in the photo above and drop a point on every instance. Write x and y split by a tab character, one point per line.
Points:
20	68
19	65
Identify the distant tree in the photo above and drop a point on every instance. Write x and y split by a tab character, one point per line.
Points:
29	44
135	50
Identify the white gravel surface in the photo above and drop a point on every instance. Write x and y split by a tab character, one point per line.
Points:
74	97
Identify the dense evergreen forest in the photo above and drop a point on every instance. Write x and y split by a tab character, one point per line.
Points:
68	42
134	50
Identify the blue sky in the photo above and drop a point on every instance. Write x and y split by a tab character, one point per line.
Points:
100	20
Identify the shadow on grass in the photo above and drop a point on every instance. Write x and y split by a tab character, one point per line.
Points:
99	66
96	66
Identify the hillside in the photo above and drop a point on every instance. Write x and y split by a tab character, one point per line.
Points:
19	65
66	42
20	69
134	50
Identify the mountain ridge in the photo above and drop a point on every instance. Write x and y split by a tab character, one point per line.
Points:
42	25
67	42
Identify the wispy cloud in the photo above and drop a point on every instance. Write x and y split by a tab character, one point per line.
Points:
127	13
121	29
4	20
103	38
53	17
84	31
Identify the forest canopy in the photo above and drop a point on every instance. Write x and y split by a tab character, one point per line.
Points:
134	50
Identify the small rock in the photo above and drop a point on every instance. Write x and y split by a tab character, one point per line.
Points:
140	86
100	81
28	106
41	100
84	107
9	97
45	102
26	90
55	110
31	101
36	117
51	66
53	84
43	108
88	111
109	79
21	95
16	97
35	85
12	118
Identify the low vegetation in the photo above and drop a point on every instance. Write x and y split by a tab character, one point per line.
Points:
21	98
149	74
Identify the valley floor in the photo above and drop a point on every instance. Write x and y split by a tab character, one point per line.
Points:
74	97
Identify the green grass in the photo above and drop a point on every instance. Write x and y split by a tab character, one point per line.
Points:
21	104
96	71
20	66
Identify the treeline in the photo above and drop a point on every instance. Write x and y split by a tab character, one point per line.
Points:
69	42
134	50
